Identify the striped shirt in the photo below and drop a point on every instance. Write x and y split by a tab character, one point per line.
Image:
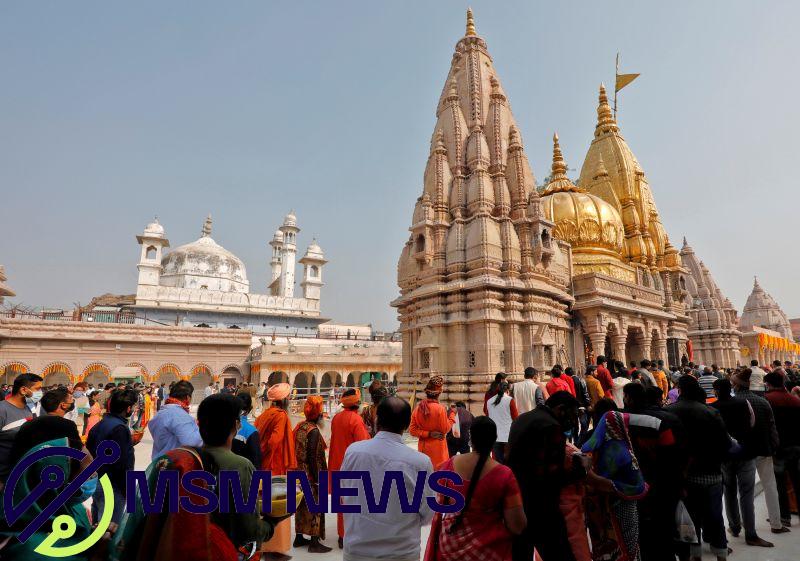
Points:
706	382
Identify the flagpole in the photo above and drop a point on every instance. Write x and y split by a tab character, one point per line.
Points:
616	73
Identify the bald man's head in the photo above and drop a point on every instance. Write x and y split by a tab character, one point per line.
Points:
394	415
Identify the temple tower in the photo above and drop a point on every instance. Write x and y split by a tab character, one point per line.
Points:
483	285
713	326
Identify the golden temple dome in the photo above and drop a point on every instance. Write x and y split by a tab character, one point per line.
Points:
587	222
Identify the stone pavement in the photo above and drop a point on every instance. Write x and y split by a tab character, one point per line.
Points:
787	546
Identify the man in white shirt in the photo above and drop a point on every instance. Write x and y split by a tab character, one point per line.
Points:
525	392
209	390
393	535
757	378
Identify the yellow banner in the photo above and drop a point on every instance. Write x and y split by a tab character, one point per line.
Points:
625	79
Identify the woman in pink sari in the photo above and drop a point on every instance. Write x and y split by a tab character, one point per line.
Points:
493	511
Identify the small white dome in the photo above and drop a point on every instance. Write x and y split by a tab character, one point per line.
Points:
314	250
290	219
154	228
278	237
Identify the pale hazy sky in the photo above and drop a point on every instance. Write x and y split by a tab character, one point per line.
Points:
113	112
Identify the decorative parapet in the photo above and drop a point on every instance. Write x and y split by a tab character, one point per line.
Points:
15	328
610	287
194	299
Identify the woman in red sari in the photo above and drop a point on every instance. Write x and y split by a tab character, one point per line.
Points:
492	512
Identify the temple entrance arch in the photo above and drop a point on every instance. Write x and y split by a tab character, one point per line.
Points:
201	376
11	370
167	373
57	374
304	385
351	380
142	370
230	375
97	374
277	378
329	380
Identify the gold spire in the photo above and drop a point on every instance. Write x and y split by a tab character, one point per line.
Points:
559	168
470	24
559	182
605	119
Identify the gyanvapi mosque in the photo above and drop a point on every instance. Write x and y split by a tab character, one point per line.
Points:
202	284
499	273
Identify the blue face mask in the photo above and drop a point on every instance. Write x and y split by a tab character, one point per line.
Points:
87	490
33	399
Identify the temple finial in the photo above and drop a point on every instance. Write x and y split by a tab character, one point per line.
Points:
605	118
207	226
559	168
470	24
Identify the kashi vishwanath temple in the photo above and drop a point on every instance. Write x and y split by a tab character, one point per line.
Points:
499	274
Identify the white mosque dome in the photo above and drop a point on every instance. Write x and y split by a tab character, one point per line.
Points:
204	264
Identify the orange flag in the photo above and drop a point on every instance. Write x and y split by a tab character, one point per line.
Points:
624	79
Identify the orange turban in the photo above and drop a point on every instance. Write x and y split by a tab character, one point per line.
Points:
313	407
279	391
352	400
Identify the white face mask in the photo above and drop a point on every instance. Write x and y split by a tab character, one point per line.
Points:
34	398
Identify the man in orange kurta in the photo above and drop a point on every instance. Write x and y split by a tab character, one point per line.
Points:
277	455
430	422
347	427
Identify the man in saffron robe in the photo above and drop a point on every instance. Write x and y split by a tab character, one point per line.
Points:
430	422
310	447
277	456
347	427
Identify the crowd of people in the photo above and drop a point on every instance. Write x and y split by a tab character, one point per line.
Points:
624	463
610	462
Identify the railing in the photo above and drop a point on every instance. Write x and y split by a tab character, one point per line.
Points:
390	336
128	317
123	317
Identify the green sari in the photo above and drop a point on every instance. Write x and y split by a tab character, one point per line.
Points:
14	549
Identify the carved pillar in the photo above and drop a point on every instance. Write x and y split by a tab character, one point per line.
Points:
598	342
662	350
618	344
645	346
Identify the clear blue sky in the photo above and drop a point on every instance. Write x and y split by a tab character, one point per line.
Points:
113	112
